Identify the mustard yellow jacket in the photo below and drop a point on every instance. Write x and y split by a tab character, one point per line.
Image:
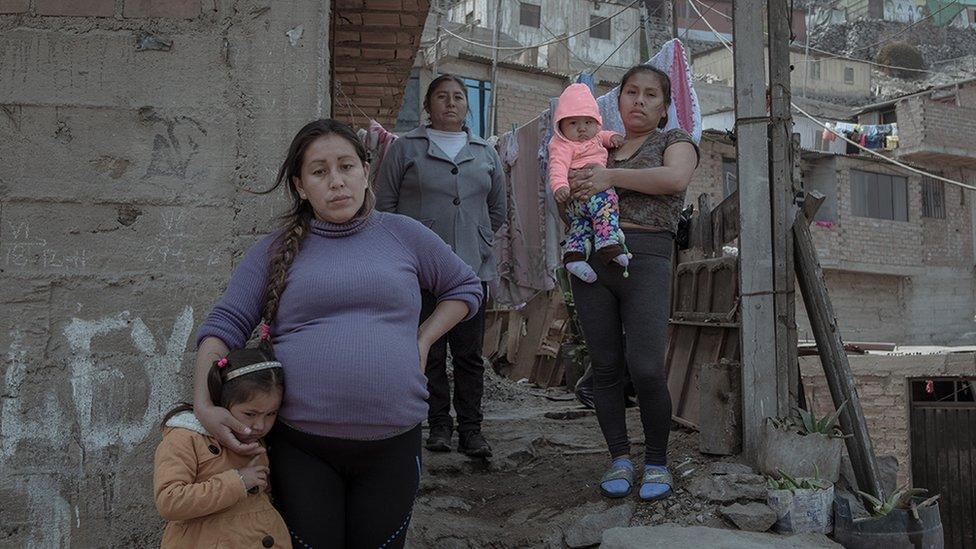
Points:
198	491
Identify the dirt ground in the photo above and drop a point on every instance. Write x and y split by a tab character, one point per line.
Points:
548	458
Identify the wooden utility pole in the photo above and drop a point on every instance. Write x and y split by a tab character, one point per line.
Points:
782	194
760	396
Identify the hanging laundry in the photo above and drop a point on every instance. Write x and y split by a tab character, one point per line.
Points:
587	78
382	137
528	246
828	135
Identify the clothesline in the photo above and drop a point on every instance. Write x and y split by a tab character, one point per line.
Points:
882	157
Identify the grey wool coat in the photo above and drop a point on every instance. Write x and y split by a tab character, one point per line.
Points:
463	200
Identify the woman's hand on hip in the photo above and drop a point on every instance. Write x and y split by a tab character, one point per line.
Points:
589	181
222	425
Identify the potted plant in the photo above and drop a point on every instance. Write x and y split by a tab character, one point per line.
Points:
802	445
904	520
802	505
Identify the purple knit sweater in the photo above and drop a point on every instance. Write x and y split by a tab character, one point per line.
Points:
346	329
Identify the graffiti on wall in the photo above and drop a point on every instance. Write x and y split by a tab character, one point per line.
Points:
43	418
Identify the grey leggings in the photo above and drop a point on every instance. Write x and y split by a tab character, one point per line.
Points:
637	306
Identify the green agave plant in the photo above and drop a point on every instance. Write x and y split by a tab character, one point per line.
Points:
806	423
787	482
904	498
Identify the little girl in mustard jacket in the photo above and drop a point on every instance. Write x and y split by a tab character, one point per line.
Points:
211	496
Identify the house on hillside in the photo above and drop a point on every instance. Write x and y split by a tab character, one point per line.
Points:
815	76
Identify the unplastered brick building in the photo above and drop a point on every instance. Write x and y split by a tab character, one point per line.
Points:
897	247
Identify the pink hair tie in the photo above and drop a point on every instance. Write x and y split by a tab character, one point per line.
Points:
265	331
222	362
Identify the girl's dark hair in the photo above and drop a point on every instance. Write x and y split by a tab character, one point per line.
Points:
295	222
662	78
239	389
436	83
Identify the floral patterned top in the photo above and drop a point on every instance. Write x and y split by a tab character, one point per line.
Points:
654	211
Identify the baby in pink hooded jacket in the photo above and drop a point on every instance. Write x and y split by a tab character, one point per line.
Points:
578	142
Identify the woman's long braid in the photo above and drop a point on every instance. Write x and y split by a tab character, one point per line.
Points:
288	246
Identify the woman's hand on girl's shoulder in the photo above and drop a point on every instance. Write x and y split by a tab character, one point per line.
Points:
222	425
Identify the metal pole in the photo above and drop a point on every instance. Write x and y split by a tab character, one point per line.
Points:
493	104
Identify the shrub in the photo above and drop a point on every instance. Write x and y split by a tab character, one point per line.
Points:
904	56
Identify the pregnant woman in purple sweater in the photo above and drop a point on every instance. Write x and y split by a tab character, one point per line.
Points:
345	283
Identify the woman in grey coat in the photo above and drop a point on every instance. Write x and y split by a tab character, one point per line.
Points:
452	182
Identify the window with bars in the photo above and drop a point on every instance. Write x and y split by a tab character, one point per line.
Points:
530	15
599	27
933	198
879	195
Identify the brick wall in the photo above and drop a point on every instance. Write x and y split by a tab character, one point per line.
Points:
708	176
883	388
122	214
874	241
374	47
927	128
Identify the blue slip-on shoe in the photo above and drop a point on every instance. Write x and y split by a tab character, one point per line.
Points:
656	483
618	481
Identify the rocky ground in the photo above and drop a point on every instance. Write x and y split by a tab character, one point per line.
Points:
540	488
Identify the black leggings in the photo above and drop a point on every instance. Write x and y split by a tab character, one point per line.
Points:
638	306
336	493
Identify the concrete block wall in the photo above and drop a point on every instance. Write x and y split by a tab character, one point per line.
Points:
949	242
129	130
868	307
943	124
876	241
883	387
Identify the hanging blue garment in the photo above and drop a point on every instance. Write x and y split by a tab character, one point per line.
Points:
587	78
